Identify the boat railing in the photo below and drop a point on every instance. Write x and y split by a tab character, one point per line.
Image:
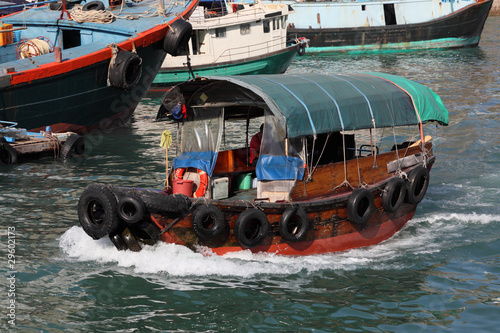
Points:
221	16
252	49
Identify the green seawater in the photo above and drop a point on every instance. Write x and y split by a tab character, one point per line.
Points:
441	273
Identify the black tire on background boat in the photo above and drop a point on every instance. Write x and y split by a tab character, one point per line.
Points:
8	155
360	206
208	222
294	224
418	182
126	71
131	241
301	49
97	211
131	209
177	37
74	145
118	242
393	194
93	5
251	227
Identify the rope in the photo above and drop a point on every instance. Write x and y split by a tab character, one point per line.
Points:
53	138
96	16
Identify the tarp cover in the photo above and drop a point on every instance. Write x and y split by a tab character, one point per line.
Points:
321	103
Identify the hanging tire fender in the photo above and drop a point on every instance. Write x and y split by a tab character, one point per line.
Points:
301	49
360	206
208	222
294	225
393	194
418	182
251	228
131	209
118	242
74	145
97	211
8	155
93	5
125	70
177	37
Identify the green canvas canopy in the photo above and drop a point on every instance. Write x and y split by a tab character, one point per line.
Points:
321	103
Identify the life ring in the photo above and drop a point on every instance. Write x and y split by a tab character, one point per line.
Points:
208	222
251	227
97	211
93	5
202	188
177	37
131	209
301	49
8	155
360	206
294	224
393	194
126	70
74	145
418	182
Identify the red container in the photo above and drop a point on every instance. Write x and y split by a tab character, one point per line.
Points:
183	186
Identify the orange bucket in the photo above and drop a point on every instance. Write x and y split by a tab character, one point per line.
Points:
183	186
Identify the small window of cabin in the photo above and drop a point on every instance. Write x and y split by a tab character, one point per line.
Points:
389	14
220	32
283	21
266	26
363	8
71	38
245	29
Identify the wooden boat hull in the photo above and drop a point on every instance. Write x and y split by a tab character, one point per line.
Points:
170	218
271	63
462	28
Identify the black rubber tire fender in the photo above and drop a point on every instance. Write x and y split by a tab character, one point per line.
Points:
8	155
131	241
251	228
360	206
97	211
301	49
208	222
74	145
177	37
418	182
394	194
160	203
294	224
118	242
93	5
126	71
131	209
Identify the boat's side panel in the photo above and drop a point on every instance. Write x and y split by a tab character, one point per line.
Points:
462	28
79	99
352	14
274	63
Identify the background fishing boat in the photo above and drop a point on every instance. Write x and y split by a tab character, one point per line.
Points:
319	188
233	38
386	25
86	68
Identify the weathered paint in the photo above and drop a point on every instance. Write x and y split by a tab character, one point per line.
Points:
419	25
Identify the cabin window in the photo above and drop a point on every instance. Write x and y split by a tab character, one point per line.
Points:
363	7
220	32
389	14
245	29
71	38
266	26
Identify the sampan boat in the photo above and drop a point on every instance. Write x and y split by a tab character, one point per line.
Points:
339	166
